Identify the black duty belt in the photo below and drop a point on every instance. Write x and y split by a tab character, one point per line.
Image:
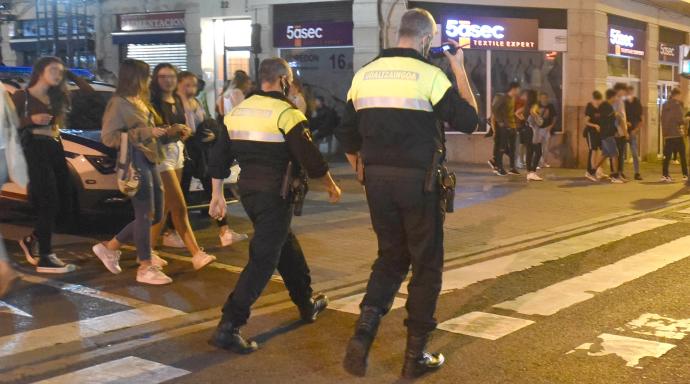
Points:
389	171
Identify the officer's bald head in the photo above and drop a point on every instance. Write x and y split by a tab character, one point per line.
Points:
273	69
416	24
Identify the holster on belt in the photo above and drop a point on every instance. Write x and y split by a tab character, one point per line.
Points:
441	180
294	188
359	168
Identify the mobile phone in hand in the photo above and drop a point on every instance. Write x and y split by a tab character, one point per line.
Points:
438	52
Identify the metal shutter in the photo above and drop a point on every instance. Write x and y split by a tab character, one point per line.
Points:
153	54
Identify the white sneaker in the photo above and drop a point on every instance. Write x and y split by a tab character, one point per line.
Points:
546	165
591	177
109	258
601	174
229	237
152	275
173	240
615	180
157	260
666	179
202	259
676	162
685	178
532	176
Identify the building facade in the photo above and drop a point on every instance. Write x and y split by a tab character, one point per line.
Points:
566	49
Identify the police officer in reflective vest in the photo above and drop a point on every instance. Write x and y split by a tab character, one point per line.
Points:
393	136
270	140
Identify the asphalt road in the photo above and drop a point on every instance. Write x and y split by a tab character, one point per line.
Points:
559	282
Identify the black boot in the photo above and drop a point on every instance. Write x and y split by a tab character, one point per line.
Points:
417	361
228	337
358	348
316	305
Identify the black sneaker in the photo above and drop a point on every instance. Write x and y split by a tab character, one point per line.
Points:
29	244
513	171
492	164
500	172
638	176
52	264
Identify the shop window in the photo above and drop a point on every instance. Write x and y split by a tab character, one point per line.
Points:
635	68
238	33
618	66
666	72
537	71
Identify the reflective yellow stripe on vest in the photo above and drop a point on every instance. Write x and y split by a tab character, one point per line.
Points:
262	119
392	102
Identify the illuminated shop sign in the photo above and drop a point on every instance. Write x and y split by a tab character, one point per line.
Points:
668	53
312	34
493	33
625	41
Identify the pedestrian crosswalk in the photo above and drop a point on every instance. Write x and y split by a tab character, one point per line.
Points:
648	336
130	370
463	277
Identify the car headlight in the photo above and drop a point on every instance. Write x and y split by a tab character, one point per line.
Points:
103	164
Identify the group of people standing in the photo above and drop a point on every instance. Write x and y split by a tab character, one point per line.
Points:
522	123
612	123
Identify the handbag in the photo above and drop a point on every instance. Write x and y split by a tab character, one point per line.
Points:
14	154
128	177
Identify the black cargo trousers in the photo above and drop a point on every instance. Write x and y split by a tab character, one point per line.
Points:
408	222
273	246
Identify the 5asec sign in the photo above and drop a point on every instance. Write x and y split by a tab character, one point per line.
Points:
493	32
312	34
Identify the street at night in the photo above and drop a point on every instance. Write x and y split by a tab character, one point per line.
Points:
582	291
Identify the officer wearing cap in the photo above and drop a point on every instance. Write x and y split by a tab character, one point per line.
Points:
392	135
270	140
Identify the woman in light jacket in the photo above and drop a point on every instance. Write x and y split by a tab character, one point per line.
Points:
129	110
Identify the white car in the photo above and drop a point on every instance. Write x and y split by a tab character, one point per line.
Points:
91	164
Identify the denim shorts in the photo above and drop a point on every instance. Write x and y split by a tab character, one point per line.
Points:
609	147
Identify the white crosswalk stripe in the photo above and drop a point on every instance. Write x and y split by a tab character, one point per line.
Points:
130	370
463	277
77	330
550	300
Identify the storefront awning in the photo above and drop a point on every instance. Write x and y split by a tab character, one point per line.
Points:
149	37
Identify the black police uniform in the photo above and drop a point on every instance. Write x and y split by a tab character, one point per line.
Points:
264	133
392	120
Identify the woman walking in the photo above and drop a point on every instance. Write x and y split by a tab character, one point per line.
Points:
234	93
129	111
41	109
535	121
171	113
204	134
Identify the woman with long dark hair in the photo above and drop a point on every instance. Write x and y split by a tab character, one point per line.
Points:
41	109
130	111
170	112
205	133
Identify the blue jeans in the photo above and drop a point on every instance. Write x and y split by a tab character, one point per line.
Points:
635	151
148	207
4	177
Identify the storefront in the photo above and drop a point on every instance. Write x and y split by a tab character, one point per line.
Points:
505	45
626	51
155	37
316	39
